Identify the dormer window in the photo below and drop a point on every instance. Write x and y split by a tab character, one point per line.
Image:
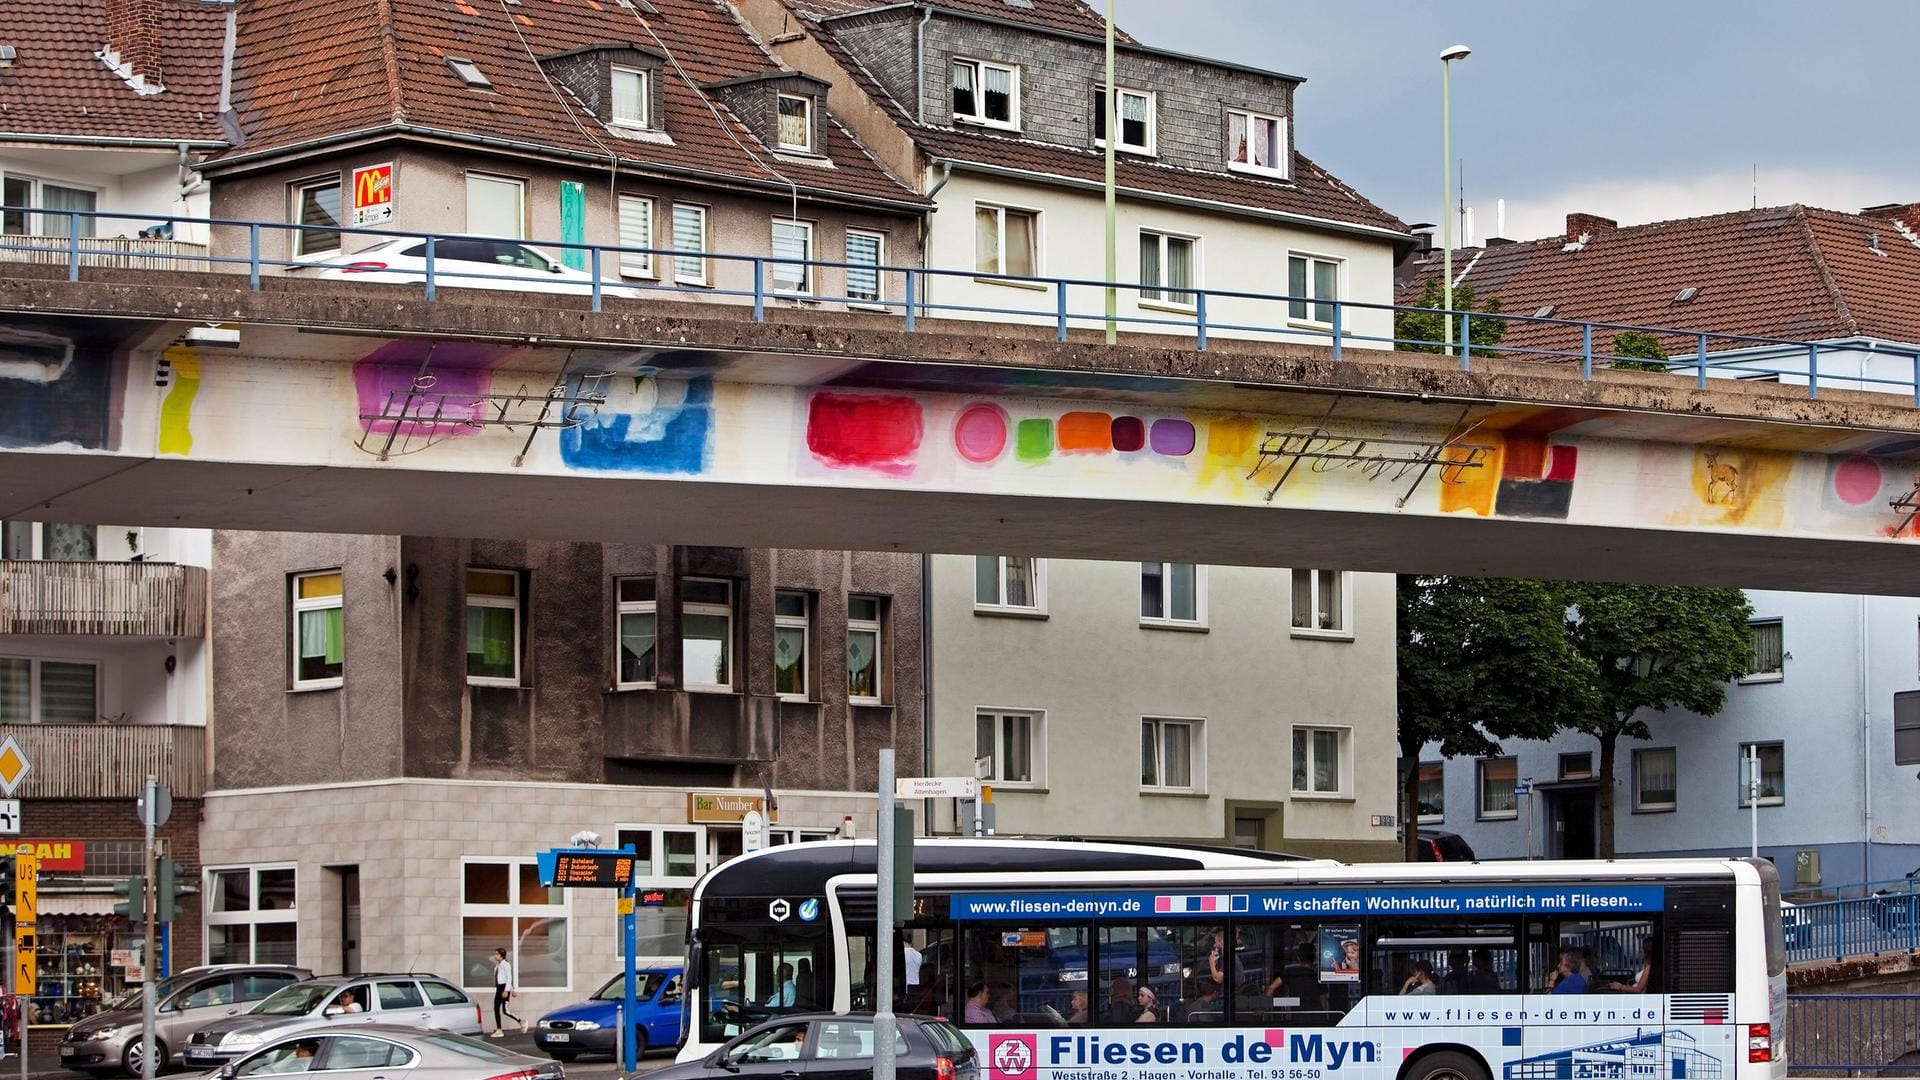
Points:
632	98
1256	143
796	123
986	93
1136	120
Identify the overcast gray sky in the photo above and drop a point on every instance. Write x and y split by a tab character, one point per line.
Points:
1639	110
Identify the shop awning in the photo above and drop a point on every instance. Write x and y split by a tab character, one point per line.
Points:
76	904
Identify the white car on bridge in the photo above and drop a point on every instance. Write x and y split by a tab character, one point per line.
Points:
467	262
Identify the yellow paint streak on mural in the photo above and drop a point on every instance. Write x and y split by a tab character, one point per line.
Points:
176	409
1231	445
1472	490
1739	487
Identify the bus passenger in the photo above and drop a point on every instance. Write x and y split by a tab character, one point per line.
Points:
1567	978
1300	979
1643	979
1120	1001
1421	981
1481	978
977	1011
1077	1013
784	993
1149	1007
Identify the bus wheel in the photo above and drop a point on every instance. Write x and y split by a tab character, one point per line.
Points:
1447	1065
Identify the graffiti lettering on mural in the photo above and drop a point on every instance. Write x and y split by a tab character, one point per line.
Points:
649	424
1374	458
457	376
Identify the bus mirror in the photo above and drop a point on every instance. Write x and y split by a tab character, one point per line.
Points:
696	969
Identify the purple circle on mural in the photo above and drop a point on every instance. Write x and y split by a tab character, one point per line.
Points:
1857	480
1129	433
980	434
1172	438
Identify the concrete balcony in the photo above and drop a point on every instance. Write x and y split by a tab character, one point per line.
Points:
103	598
109	761
668	725
132	252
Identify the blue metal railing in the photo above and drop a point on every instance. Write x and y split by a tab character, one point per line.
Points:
1882	917
1853	1034
913	293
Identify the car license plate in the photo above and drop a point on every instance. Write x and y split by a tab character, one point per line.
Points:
197	1054
66	1051
559	1036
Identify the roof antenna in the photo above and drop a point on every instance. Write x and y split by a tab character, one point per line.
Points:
1756	185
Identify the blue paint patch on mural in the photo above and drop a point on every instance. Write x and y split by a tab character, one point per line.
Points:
648	425
54	390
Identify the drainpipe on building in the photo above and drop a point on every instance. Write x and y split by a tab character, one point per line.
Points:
926	681
1866	748
920	65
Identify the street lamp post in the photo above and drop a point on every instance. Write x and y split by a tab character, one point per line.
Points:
1447	57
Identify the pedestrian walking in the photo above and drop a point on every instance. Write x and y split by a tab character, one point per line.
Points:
502	993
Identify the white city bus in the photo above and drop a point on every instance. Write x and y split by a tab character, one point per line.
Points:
1110	961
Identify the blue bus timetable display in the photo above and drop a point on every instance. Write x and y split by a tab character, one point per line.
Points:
1447	900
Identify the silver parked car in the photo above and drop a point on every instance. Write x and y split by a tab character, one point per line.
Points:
109	1042
397	1051
415	1001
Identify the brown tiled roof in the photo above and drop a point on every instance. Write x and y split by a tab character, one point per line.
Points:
1312	192
329	67
57	86
1066	16
1791	272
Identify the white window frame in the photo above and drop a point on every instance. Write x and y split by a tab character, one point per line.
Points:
725	610
1343	774
877	627
683	256
295	191
1000	606
1196	754
1779	745
1150	149
253	916
1000	211
514	604
317	603
979	115
656	855
1642	805
514	910
1778	674
777	263
779	142
37	538
1425	818
636	208
1280	155
623	608
645	119
879	297
1170	622
519	187
1161	293
803	623
1342	632
1339	286
35	223
35	704
1036	749
1480	811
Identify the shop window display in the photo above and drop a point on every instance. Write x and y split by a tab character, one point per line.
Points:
80	961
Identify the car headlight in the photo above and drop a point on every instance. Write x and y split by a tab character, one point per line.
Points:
243	1038
100	1035
586	1025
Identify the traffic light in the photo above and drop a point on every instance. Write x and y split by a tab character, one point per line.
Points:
6	884
134	907
166	890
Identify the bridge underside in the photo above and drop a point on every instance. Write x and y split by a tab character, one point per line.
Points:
693	424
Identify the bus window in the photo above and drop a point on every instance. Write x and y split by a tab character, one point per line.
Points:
1028	974
1461	956
1140	971
1298	974
933	995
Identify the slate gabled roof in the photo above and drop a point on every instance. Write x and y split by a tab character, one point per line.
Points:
323	68
56	84
1062	16
1793	272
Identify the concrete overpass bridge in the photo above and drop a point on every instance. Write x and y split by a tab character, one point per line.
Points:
341	406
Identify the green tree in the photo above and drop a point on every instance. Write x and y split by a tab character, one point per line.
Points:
1649	647
1426	331
1637	350
1479	660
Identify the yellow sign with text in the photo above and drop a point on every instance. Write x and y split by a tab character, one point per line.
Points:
26	907
721	808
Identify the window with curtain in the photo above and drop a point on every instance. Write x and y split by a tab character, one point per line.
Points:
796	123
496	206
1167	261
866	252
1014	742
1009	582
1433	791
1498	777
690	238
319	630
56	197
792	240
49	691
493	627
1656	779
1768	650
792	631
1167	752
864	649
986	93
16	690
1317	765
636	231
1319	601
1254	142
317	203
638	612
1313	284
630	98
1773	773
706	634
72	543
1171	593
1005	240
1136	120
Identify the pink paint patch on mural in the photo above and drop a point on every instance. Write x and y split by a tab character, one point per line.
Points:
460	374
859	432
980	433
1857	480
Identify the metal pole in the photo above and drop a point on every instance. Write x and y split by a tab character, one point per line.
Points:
148	812
1446	195
1753	794
629	999
883	926
1113	137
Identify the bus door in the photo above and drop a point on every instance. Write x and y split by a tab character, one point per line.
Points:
751	973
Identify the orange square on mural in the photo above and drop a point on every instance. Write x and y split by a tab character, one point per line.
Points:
1086	432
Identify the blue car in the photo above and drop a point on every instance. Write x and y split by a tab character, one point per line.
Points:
588	1028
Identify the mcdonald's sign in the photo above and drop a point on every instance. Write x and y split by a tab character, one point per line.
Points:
372	195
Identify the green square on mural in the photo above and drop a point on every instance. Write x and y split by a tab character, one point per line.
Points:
1033	440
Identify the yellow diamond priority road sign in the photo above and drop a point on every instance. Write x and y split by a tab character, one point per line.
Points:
14	766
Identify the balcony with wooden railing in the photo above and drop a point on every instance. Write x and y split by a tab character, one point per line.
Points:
109	761
126	252
114	598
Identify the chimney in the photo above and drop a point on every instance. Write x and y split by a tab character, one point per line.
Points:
133	34
1906	214
1592	224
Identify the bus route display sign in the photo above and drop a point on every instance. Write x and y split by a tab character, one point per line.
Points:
585	868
